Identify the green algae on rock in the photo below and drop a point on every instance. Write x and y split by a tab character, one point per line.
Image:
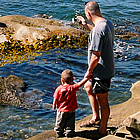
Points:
16	51
24	37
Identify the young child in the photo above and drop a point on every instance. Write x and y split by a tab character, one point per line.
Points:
66	103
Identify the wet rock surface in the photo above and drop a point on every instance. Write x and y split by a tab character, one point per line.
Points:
13	92
9	88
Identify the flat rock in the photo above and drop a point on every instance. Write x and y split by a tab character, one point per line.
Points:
87	132
24	28
121	111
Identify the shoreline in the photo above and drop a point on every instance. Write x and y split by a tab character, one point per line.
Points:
117	123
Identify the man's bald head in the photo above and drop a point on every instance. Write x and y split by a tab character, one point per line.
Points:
93	7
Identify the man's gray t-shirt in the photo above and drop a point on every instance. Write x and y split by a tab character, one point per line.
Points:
101	39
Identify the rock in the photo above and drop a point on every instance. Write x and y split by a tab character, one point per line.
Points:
13	82
26	35
42	16
2	87
3	38
123	132
49	135
12	92
133	121
31	99
9	88
36	28
119	112
135	89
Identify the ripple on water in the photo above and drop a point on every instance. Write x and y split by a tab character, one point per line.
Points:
44	72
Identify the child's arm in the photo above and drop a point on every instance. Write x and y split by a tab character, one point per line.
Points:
83	81
54	103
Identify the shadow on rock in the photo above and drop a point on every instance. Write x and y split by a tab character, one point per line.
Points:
134	132
89	134
3	24
94	134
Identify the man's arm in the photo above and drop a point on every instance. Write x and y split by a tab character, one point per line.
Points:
93	62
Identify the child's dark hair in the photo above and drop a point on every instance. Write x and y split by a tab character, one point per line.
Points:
67	75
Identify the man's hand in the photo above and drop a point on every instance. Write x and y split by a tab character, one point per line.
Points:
88	74
80	18
84	23
93	63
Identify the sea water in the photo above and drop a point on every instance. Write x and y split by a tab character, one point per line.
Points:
43	73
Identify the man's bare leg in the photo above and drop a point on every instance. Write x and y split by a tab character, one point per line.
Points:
105	111
93	101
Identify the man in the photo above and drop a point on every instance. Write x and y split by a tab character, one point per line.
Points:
100	64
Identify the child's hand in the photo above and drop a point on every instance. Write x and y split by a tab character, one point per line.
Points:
54	107
90	76
54	104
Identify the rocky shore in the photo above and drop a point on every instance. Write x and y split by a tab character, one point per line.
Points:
23	38
124	122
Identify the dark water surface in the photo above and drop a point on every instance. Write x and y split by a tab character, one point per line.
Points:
43	73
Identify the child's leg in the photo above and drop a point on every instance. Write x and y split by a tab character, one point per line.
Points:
70	125
59	125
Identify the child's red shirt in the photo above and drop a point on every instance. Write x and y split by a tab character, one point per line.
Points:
66	97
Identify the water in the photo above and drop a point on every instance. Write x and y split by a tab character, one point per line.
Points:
43	73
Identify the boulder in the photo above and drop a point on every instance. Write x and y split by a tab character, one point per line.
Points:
31	99
9	88
133	121
24	36
12	92
135	89
31	29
